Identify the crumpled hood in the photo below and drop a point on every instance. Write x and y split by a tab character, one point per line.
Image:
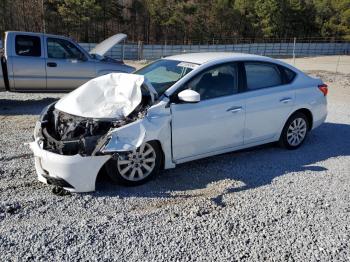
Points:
106	45
114	96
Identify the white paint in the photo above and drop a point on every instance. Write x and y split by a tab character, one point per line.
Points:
188	131
114	95
190	96
78	171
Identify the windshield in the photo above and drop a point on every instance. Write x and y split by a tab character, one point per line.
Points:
163	73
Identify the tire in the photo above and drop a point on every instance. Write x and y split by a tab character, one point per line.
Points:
136	167
294	131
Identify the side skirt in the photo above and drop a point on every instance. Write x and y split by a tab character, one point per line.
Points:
225	150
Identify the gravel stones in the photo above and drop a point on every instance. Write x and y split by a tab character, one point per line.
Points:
262	204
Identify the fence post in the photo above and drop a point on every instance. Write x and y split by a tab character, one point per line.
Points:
295	40
123	50
164	49
139	50
336	68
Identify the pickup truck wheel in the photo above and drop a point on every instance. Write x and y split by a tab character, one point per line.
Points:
294	131
136	167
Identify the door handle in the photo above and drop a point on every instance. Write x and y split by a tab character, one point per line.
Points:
51	64
234	109
286	100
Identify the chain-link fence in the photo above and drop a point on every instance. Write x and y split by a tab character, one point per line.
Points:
280	48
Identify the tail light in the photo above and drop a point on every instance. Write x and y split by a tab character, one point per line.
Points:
323	88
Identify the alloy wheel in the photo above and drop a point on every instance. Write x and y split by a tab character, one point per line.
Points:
137	164
296	132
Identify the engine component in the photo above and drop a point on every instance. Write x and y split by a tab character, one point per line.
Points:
66	134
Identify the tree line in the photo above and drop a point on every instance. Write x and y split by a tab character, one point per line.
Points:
157	21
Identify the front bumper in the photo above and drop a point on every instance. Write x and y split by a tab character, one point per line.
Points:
74	173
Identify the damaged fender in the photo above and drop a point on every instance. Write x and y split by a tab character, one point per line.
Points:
155	126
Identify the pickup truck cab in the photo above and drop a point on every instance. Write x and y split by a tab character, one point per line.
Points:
44	62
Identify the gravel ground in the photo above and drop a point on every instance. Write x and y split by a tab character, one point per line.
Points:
260	204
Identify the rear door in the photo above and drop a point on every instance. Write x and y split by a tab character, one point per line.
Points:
28	63
67	66
269	101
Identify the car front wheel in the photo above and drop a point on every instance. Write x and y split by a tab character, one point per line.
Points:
294	131
135	167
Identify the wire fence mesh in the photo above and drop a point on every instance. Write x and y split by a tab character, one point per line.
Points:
280	48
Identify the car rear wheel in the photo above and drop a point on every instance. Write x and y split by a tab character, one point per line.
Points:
294	131
135	167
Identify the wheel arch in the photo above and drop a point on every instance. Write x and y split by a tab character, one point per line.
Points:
307	112
158	142
308	115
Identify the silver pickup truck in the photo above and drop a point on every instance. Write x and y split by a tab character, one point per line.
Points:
43	62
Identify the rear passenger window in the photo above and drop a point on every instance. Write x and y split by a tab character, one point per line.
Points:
262	75
289	75
26	45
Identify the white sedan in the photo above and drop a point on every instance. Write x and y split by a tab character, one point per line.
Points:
174	110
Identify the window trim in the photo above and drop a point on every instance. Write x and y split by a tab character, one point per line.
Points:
283	79
283	69
174	96
30	36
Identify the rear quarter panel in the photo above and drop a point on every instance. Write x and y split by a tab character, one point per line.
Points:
310	97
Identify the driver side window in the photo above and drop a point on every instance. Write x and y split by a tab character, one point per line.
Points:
216	82
63	49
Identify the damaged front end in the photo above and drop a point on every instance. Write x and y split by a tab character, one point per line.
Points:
68	147
67	134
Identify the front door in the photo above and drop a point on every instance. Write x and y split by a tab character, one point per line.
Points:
214	123
67	67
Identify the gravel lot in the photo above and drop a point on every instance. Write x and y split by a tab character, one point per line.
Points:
261	204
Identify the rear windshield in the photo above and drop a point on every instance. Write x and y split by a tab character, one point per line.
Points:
163	73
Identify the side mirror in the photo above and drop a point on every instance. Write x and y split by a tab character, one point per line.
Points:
189	96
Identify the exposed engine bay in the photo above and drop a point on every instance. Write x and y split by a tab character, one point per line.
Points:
67	134
81	122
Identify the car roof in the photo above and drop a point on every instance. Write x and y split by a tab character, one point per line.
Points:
218	57
38	34
202	58
208	59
